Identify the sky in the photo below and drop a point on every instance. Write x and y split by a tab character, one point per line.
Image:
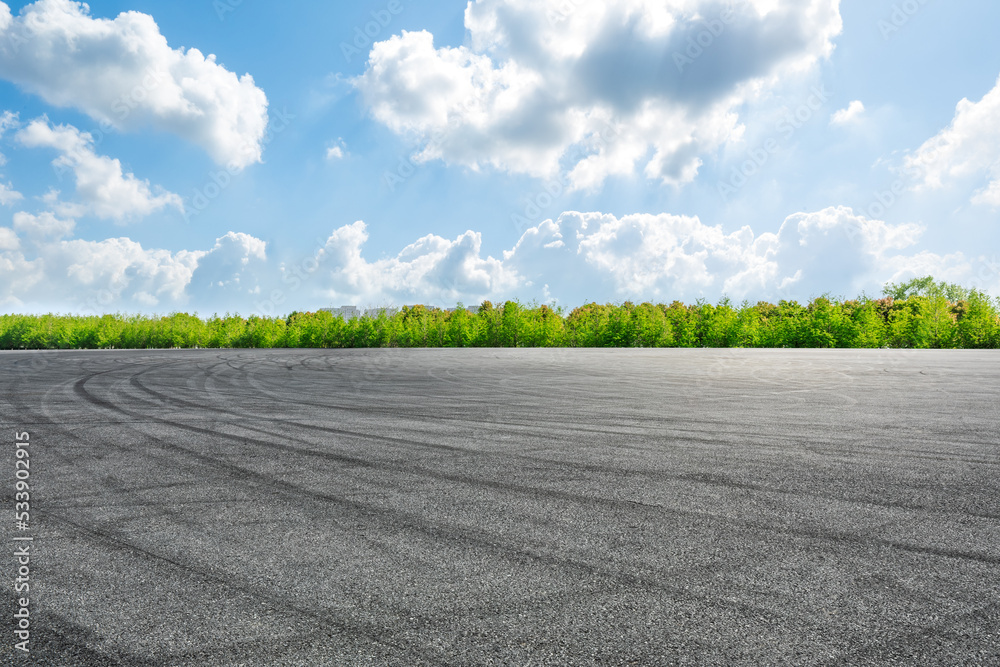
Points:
259	158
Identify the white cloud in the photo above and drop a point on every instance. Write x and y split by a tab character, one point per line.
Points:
968	149
337	150
123	72
234	267
40	271
8	239
122	267
8	120
433	270
8	195
44	225
104	190
851	114
92	276
651	257
18	276
954	268
576	258
989	196
540	82
582	256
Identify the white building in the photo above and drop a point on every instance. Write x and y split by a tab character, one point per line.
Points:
348	313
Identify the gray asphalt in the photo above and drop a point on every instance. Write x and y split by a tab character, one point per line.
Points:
509	507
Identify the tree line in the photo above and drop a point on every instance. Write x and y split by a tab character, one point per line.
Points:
921	313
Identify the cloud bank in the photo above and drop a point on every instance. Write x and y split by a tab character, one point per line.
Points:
967	150
42	271
103	188
540	82
574	258
123	73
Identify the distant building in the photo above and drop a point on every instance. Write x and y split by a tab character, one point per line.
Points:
348	313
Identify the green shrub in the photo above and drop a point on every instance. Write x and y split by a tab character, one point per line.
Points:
921	313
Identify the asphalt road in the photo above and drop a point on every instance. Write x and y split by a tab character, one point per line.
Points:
507	507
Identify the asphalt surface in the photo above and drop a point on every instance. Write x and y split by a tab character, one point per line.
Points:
507	507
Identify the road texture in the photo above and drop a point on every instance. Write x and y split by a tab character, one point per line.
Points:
507	507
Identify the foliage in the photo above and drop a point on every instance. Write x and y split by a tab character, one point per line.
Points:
925	286
920	313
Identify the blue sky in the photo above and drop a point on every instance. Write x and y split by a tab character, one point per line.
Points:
267	157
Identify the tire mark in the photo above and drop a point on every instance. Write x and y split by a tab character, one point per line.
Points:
577	498
275	601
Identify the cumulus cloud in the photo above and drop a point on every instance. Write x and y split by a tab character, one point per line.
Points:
8	239
18	276
851	114
336	150
680	257
121	267
433	268
102	187
8	195
574	258
123	72
89	276
41	270
641	257
968	149
990	195
540	82
234	267
44	225
8	120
